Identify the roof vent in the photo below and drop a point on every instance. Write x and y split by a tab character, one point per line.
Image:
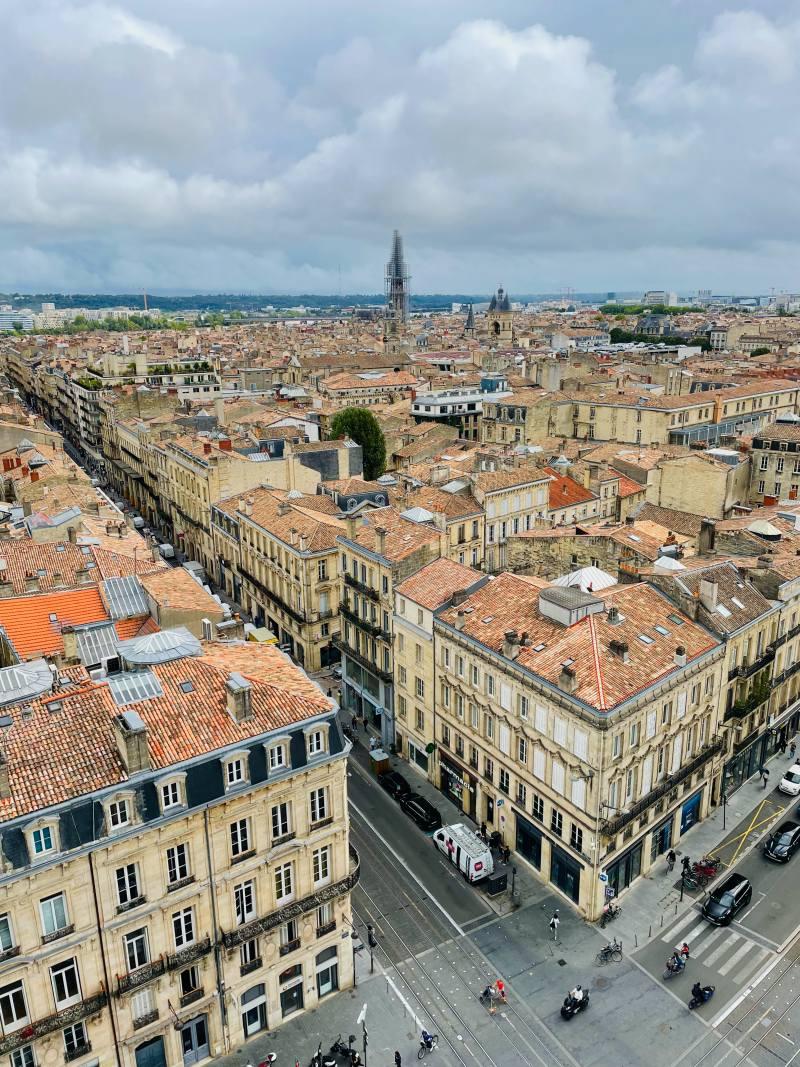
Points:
680	656
614	617
239	697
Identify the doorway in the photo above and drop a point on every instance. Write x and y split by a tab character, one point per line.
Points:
194	1040
151	1054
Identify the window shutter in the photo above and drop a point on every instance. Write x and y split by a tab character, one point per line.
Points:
560	731
579	794
504	739
681	705
676	754
647	775
538	763
651	724
580	744
541	719
558	777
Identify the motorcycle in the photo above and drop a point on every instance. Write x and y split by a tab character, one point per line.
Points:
320	1060
708	993
675	964
705	869
271	1057
571	1006
610	912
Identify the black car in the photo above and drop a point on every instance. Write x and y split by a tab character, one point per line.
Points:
421	811
394	784
782	843
727	900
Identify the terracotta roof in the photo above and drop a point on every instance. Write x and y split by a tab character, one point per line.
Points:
434	584
565	491
274	511
403	536
779	431
627	486
176	589
56	755
603	679
454	506
492	481
27	620
682	522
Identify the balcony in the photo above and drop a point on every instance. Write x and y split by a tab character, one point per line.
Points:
290	946
747	670
189	954
611	827
745	704
181	882
296	908
141	976
84	1009
242	856
9	953
347	650
56	934
77	1052
326	928
367	590
129	904
248	968
190	997
146	1019
373	628
283	839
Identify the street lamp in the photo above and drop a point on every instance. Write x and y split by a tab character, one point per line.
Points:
362	1018
353	939
372	941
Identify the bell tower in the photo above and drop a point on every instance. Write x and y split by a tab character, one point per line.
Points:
500	320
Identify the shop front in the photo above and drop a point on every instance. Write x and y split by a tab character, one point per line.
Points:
417	755
748	761
457	785
529	841
661	839
690	811
565	873
625	870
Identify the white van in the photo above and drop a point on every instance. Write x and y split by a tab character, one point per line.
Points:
465	849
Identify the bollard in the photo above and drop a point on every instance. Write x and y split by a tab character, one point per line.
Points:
636	939
650	931
662	918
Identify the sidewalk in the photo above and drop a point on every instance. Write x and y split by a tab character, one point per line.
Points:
655	898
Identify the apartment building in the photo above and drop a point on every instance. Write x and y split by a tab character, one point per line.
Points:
522	418
168	893
582	727
513	500
367	388
458	514
416	599
775	463
377	552
277	555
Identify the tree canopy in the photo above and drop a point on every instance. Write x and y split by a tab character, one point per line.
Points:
362	426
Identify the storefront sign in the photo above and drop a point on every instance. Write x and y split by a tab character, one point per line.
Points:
455	777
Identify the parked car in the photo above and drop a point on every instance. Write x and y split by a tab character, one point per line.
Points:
394	784
421	811
790	783
727	900
336	672
783	842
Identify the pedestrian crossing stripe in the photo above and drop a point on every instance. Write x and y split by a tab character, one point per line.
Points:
722	948
731	963
749	953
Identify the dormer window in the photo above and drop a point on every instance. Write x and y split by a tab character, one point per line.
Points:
172	793
119	811
316	741
278	754
235	769
43	840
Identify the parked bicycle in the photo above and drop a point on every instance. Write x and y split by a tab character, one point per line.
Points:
611	953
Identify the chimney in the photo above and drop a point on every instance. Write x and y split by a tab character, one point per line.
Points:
459	597
283	507
72	535
619	649
225	444
131	737
460	617
238	694
70	639
380	540
292	536
34	476
709	593
206	448
613	615
350	522
680	656
511	644
707	537
629	520
568	679
303	542
5	788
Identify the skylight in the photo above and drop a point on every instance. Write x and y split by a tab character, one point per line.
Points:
645	639
661	630
634	537
187	687
488	619
723	611
676	619
538	648
737	602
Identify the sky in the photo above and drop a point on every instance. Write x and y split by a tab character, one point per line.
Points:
273	147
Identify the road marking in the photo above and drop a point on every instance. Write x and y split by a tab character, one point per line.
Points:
734	1004
762	955
404	864
679	925
702	946
761	896
403	1001
722	949
738	955
702	925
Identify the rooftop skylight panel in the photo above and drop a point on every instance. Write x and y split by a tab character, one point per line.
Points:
645	639
661	630
538	648
737	602
634	537
488	619
723	611
187	687
676	619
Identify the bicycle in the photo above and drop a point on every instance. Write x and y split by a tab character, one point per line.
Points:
424	1049
611	952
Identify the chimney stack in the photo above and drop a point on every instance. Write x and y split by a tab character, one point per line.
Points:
680	656
72	534
238	693
5	787
131	737
619	649
380	540
70	639
568	679
460	617
709	594
707	537
511	644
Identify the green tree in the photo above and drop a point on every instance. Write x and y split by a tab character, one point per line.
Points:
762	350
362	426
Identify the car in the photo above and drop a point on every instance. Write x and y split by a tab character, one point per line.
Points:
336	672
421	811
727	899
790	783
394	784
783	842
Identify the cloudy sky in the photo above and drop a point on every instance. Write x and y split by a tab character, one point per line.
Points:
272	147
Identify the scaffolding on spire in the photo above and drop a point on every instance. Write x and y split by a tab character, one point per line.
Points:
397	285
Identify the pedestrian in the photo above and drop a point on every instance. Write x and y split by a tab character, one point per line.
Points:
500	986
671	857
397	1060
483	830
686	864
506	854
373	744
554	924
354	724
764	777
792	750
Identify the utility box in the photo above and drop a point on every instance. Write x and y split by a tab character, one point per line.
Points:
379	761
497	882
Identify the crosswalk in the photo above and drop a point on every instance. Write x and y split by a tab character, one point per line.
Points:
727	951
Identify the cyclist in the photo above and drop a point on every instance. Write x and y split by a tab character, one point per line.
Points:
671	857
427	1039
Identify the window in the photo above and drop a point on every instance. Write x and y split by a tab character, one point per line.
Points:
183	927
419	719
248	955
488	768
66	984
634	735
119	813
538	807
522	750
420	688
234	773
504	780
488	723
137	953
127	885
318	804
6	937
53	912
177	863
576	838
556	822
315	742
490	685
522	794
322	864
277	757
240	837
43	840
23	1057
244	901
142	1004
280	820
171	795
75	1040
13	1009
403	675
523	706
254	1010
283	881
327	971
322	570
